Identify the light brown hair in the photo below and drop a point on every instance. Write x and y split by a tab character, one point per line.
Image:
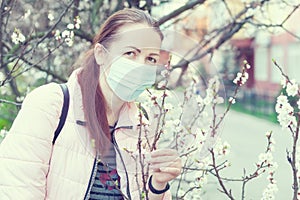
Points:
94	104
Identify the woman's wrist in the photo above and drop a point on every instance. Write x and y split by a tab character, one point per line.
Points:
156	187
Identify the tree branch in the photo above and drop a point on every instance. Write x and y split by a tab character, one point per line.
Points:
175	13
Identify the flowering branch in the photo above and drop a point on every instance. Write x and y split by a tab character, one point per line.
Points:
56	23
266	162
289	118
240	80
217	174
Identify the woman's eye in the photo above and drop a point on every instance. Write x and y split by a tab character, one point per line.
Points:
130	54
152	60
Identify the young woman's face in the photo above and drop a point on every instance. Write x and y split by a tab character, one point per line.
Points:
137	42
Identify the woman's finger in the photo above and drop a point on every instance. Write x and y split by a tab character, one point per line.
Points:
175	171
162	159
174	162
164	152
166	174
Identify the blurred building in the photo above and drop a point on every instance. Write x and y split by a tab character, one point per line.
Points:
260	45
256	43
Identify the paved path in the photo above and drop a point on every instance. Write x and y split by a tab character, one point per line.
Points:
246	135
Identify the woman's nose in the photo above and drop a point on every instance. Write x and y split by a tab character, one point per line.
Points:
140	59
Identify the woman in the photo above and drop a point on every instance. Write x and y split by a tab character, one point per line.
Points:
90	158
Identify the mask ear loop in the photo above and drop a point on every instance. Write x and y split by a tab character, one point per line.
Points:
103	52
104	48
105	62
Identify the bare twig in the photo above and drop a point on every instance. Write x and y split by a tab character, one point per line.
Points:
145	174
187	6
10	102
217	174
293	161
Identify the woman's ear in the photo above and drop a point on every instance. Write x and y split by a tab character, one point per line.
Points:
100	54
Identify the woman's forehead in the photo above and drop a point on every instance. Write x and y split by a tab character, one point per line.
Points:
137	35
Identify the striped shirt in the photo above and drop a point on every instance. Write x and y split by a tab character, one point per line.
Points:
106	184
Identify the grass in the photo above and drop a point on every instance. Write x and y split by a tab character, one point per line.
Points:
257	110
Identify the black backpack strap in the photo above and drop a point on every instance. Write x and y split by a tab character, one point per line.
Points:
64	111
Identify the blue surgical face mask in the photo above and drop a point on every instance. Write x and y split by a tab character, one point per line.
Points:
128	79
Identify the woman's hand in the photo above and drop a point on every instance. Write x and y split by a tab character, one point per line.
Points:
166	165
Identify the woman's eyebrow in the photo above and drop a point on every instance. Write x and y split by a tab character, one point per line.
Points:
139	50
154	54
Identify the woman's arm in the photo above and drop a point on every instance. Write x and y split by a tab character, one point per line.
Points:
26	150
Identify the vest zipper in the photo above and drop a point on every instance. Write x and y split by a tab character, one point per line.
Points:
119	152
94	170
92	178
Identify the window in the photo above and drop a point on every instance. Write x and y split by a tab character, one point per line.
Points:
261	64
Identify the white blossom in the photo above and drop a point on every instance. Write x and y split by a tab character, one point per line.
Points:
292	88
208	100
227	164
2	76
298	103
69	42
241	78
266	157
65	33
77	22
72	34
285	112
283	82
70	26
203	163
17	37
269	192
222	148
226	148
50	16
282	99
202	181
248	66
286	120
57	35
68	37
244	78
214	83
211	91
27	14
232	100
178	129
